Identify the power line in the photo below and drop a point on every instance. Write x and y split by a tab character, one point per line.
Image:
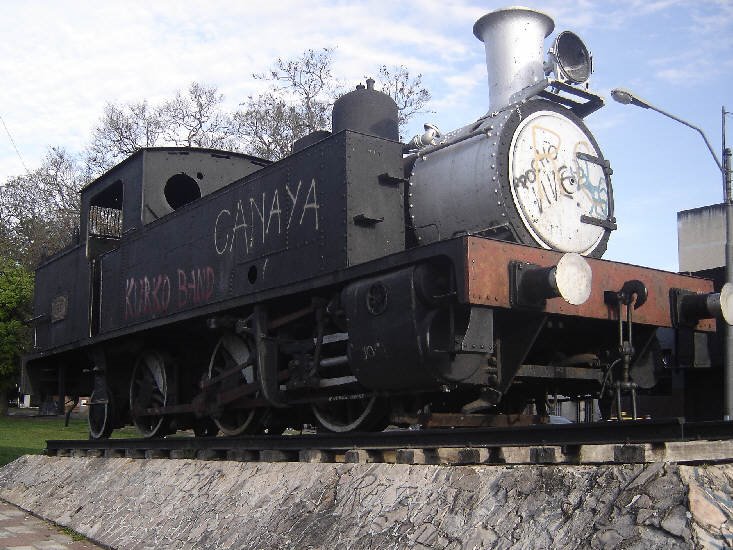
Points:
14	145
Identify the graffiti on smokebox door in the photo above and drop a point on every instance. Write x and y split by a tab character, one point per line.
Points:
555	171
158	294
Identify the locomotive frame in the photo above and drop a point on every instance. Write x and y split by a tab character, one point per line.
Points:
220	292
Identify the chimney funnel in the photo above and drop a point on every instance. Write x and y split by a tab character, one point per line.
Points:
514	41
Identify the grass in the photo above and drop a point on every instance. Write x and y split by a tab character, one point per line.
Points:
75	537
24	435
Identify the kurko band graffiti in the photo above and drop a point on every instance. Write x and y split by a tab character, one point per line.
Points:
156	295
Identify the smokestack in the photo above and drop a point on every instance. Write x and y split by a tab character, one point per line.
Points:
514	40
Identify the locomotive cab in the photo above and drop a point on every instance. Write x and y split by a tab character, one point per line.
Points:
115	207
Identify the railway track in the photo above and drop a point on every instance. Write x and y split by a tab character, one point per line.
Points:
584	443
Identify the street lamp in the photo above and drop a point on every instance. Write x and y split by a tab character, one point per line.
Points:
626	97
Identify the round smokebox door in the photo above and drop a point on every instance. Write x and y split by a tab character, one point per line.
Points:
557	191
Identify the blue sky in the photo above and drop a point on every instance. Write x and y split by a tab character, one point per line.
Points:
61	62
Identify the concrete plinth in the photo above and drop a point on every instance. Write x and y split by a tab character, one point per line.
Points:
133	503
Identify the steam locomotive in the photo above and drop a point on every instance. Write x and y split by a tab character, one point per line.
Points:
360	281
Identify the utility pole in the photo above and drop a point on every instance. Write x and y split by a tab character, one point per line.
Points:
626	97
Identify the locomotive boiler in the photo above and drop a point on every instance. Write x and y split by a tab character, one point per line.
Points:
451	280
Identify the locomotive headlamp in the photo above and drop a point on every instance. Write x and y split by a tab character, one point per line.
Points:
571	59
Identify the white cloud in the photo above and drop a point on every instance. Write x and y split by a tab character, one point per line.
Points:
61	61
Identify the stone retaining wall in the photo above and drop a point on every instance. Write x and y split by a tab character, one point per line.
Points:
125	503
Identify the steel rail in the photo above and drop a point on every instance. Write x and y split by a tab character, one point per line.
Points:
627	432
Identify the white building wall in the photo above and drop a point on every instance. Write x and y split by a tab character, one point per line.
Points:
701	238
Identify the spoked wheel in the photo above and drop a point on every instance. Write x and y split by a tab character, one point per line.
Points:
367	413
148	390
99	417
232	364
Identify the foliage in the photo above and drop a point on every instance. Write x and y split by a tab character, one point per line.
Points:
308	82
73	535
122	130
39	211
268	126
195	119
300	99
191	119
409	93
16	291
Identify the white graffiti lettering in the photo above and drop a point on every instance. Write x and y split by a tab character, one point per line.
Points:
263	218
221	250
274	211
293	200
310	205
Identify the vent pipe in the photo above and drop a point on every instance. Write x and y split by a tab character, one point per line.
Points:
514	40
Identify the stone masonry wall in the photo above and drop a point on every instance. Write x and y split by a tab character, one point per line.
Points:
136	504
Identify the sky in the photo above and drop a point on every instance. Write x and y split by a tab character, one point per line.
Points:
61	62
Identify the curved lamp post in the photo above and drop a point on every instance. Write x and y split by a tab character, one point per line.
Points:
627	97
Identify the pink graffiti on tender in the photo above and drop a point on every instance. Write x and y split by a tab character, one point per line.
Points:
151	295
195	286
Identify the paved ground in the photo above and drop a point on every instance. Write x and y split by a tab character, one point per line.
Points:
78	412
22	531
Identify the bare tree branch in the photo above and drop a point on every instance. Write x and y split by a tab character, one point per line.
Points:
191	119
196	119
123	130
40	210
409	93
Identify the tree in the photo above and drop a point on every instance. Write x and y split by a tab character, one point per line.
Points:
16	291
268	126
297	102
409	93
196	119
122	130
191	119
40	210
308	83
300	99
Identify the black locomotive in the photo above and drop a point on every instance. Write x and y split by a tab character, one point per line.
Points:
362	281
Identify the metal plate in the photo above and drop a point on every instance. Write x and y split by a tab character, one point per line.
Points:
487	283
288	222
59	308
